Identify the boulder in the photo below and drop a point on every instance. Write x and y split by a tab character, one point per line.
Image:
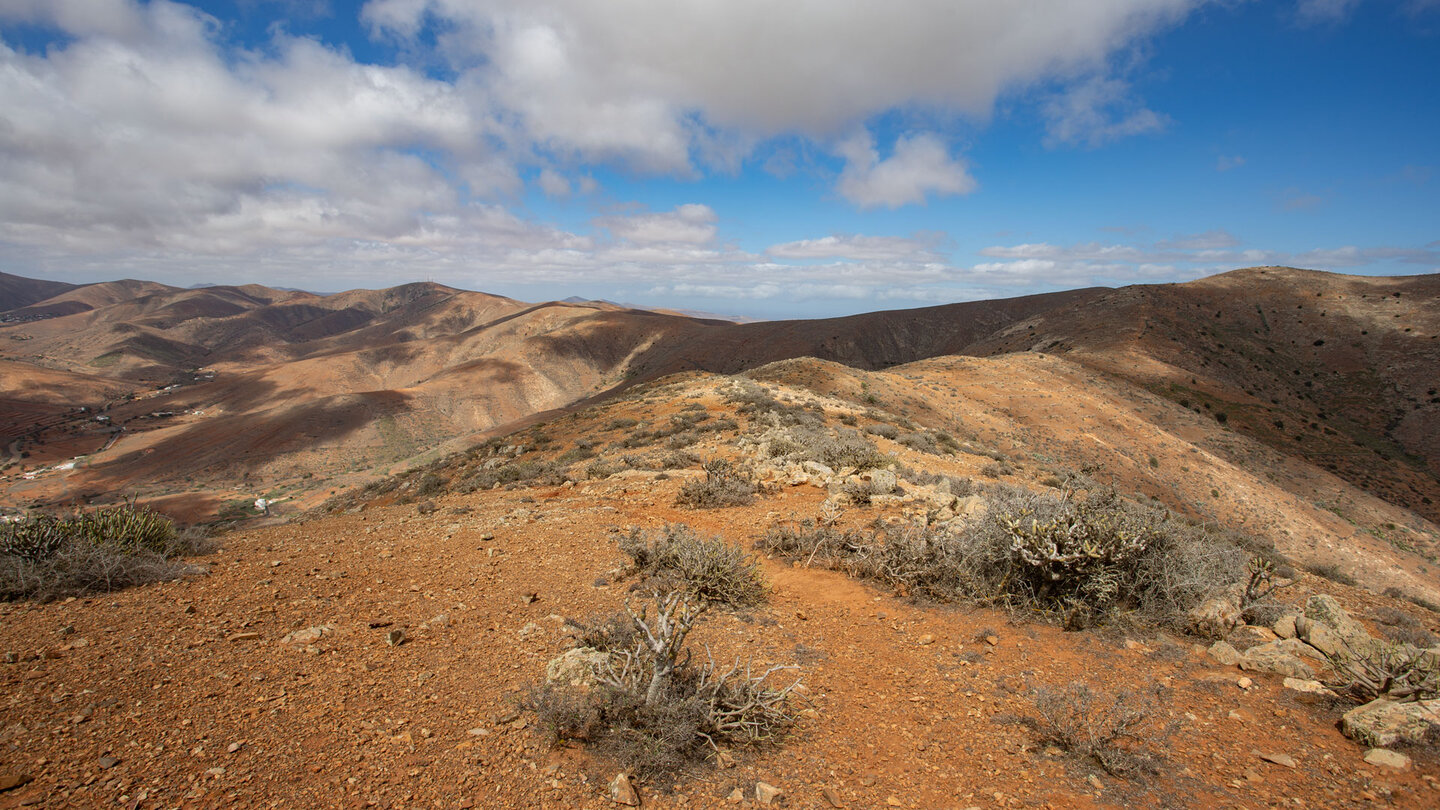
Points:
575	668
1308	687
1299	649
1382	723
1213	618
1224	653
1248	635
881	481
1284	626
1323	609
1275	659
818	469
622	792
1386	758
1318	636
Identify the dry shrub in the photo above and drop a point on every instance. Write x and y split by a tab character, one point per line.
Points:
514	473
655	710
723	485
1078	561
1117	730
46	557
709	568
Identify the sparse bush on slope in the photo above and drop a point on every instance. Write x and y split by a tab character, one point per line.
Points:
723	485
653	708
47	557
677	559
1074	560
1117	730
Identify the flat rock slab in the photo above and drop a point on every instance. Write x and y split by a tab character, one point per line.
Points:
1382	723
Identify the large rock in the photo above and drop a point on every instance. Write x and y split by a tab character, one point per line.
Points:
880	481
1276	659
1382	723
816	468
1246	636
1284	626
1222	651
1324	609
1318	636
575	668
1214	618
622	792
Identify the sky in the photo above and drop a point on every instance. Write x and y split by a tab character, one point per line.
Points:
761	158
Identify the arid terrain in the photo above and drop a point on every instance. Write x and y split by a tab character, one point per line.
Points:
461	468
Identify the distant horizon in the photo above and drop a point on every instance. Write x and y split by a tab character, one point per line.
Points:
691	312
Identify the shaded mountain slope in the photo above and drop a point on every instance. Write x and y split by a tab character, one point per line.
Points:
1339	370
18	291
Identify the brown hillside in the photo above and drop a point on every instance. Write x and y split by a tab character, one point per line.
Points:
1338	370
243	686
18	291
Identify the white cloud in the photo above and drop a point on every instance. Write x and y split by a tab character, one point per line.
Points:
690	224
1095	112
1225	163
554	184
920	165
859	248
665	86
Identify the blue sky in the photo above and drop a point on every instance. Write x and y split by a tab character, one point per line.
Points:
803	158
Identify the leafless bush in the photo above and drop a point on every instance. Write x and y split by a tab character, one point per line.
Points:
1391	671
710	568
1402	628
1116	730
656	710
723	485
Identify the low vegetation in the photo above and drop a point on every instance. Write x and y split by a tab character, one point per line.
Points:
677	559
1390	671
1118	731
653	708
724	485
1077	560
46	557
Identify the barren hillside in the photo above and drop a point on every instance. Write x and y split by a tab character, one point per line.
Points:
404	631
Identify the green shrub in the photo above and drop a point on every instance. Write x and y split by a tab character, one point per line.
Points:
47	557
676	558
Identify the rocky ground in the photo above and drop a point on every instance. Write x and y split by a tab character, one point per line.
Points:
380	657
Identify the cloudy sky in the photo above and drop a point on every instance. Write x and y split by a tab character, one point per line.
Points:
757	157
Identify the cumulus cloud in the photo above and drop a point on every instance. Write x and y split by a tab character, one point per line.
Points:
142	130
1095	112
690	224
664	86
919	166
